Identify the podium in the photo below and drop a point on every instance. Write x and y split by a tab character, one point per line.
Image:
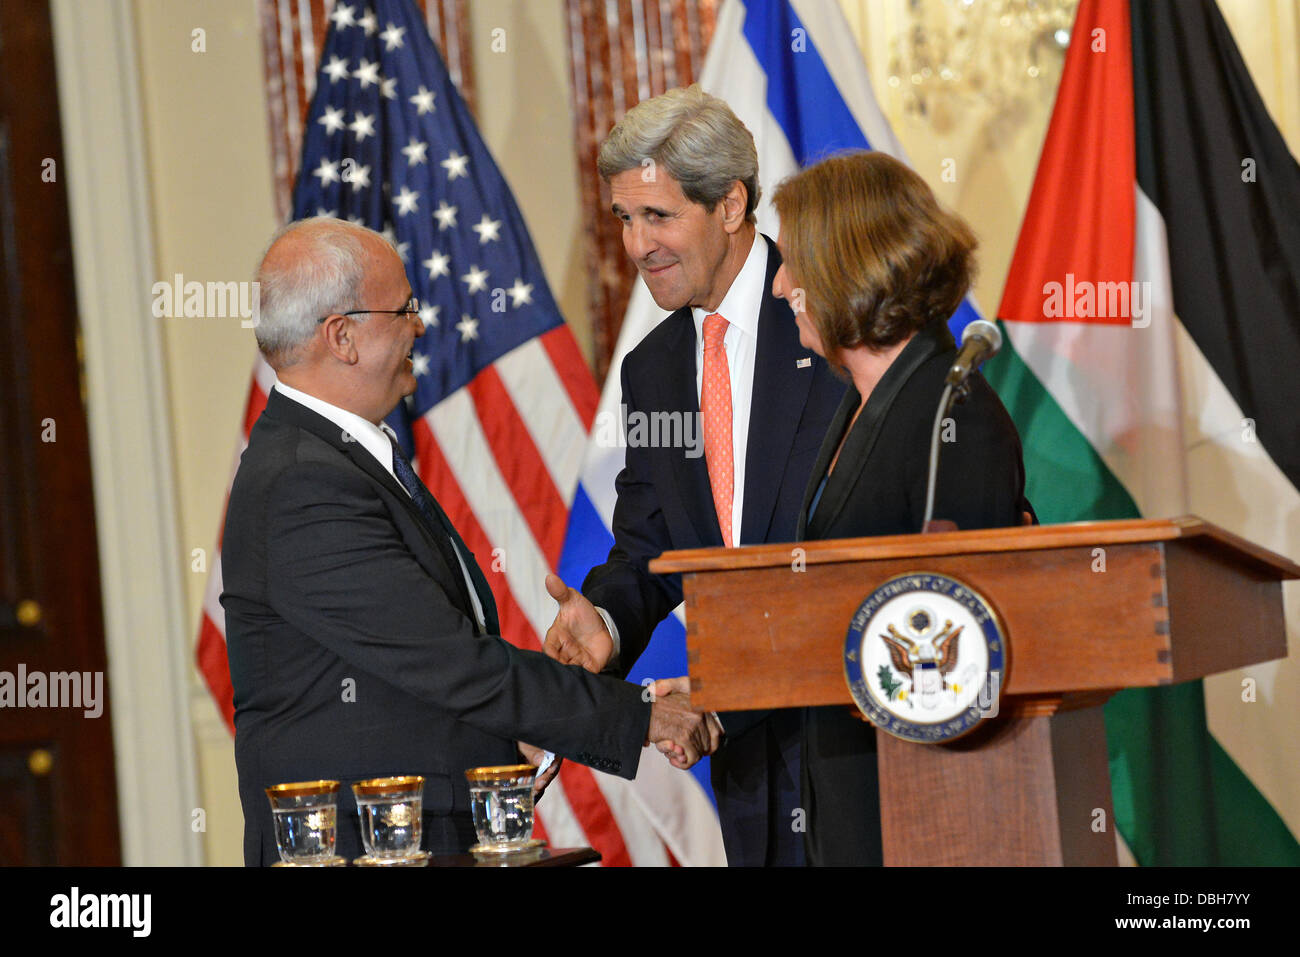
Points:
1087	609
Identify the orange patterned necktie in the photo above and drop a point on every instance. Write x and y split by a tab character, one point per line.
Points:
715	412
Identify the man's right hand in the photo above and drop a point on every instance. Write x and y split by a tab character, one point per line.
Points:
578	635
682	735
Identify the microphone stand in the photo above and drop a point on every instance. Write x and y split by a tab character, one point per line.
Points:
946	401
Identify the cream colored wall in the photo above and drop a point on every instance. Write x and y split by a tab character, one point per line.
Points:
526	118
991	173
994	172
210	191
130	436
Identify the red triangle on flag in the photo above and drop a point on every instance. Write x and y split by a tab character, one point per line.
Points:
1078	232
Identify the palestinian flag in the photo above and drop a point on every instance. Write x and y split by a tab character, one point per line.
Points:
1152	364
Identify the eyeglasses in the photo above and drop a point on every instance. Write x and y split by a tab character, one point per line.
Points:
412	305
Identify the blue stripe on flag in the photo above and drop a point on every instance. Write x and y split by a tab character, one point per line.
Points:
804	100
801	95
965	314
586	545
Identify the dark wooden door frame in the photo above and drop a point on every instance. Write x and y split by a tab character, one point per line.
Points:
143	562
56	749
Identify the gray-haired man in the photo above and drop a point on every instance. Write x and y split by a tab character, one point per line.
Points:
683	177
361	633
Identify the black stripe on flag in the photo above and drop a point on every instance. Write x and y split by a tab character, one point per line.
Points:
1213	162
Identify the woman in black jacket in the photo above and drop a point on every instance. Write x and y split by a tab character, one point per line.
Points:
873	268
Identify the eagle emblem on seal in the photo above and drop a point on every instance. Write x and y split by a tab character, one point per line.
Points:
926	655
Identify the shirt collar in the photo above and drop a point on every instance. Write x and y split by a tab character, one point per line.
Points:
740	306
369	436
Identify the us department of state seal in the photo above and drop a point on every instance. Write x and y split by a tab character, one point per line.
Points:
925	657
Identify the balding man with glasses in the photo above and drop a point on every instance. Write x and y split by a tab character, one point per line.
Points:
362	635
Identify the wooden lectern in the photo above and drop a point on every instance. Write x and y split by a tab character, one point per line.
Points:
1087	609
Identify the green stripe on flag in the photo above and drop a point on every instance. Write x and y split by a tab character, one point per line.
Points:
1179	798
1250	829
1186	801
1065	478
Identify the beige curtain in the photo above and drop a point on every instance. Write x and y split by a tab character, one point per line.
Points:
622	52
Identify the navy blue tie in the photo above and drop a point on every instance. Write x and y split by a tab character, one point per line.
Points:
437	521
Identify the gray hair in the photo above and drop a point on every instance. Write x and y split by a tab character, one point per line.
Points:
295	292
695	137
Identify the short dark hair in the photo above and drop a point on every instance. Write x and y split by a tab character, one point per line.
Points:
876	256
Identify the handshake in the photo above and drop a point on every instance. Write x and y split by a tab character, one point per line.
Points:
578	636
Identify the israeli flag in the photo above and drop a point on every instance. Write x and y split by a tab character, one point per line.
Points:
792	72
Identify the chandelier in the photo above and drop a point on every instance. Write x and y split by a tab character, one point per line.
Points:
1001	57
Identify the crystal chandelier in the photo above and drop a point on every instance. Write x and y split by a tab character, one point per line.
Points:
1001	57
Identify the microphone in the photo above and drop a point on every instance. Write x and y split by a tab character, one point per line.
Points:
980	340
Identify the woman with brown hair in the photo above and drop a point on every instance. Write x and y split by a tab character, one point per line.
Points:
873	268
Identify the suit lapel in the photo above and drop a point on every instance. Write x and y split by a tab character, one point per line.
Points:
679	395
928	341
286	410
848	405
779	387
280	407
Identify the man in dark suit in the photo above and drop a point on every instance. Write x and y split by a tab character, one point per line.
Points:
683	175
361	634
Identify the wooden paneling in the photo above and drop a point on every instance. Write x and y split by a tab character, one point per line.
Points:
27	789
1085	608
1222	614
1048	778
58	796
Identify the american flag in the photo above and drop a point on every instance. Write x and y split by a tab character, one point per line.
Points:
499	420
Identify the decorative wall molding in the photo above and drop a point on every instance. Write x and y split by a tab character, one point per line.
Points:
148	639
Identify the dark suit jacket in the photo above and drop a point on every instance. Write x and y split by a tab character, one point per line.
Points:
354	652
878	488
665	502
